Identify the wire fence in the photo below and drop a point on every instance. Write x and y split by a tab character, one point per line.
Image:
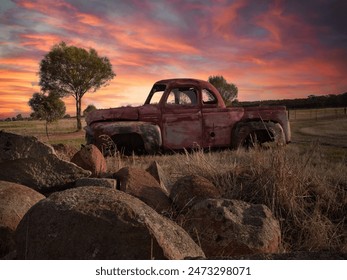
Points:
317	114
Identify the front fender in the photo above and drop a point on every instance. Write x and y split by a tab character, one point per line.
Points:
150	133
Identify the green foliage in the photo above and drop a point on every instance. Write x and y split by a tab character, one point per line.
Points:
69	70
89	109
47	107
19	117
227	90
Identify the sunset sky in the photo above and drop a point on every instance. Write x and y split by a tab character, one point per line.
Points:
271	49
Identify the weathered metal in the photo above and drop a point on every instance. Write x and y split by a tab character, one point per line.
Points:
185	113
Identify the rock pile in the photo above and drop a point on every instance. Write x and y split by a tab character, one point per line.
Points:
100	223
131	214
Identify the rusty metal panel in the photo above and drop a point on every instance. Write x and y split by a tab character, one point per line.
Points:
150	113
122	113
181	128
217	125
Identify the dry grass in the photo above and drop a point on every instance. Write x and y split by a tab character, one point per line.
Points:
306	193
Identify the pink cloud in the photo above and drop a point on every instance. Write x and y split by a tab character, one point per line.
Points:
269	49
42	42
89	19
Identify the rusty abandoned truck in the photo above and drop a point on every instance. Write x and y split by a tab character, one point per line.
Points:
184	114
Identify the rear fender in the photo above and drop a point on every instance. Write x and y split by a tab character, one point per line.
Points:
260	131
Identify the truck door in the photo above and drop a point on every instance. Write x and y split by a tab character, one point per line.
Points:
181	119
217	122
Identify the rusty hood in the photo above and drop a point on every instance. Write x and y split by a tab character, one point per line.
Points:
113	114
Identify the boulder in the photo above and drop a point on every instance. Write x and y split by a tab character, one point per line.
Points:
45	174
191	189
64	152
90	158
227	228
158	173
13	147
15	201
27	161
100	223
97	182
143	185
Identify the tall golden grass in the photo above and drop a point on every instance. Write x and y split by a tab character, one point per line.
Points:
305	192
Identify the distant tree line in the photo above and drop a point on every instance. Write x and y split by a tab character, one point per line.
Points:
32	117
311	102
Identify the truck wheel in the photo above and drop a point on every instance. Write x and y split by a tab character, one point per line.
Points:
129	144
106	145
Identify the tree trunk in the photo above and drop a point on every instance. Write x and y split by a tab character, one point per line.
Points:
47	130
78	113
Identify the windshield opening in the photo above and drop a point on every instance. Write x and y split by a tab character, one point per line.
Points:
155	94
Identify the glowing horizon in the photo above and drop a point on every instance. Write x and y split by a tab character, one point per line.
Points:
273	50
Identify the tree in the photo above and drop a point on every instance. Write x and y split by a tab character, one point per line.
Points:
19	117
47	107
227	90
74	71
89	109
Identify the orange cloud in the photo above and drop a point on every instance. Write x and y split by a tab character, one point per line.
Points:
89	19
44	7
23	63
42	42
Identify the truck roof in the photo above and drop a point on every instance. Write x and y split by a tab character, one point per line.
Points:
180	81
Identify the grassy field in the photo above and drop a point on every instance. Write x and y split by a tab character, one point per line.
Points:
317	114
303	183
63	131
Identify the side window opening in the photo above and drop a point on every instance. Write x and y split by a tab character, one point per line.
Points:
182	96
208	97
